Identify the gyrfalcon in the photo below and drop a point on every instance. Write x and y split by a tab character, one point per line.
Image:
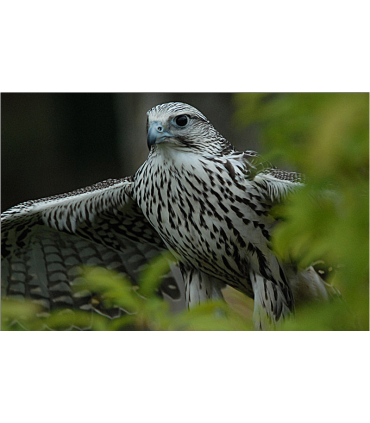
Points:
195	195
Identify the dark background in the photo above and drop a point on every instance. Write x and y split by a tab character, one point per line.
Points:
55	143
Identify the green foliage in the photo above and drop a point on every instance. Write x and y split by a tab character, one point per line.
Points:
325	136
146	310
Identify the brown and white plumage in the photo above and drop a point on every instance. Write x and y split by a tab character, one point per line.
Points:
195	195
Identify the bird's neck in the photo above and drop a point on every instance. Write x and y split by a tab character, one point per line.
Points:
164	159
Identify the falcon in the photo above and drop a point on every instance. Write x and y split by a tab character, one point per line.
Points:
195	195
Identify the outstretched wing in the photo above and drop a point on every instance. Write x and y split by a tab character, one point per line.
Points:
274	184
45	242
277	184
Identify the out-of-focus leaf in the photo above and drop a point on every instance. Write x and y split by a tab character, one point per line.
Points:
115	290
72	319
151	275
325	136
15	313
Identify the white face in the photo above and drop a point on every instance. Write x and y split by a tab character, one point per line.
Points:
182	126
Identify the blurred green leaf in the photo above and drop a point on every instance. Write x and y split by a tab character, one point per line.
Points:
152	273
114	289
325	136
15	313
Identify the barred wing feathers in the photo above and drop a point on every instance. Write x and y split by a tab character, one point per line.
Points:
275	184
45	242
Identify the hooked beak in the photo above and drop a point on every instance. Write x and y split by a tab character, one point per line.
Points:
156	134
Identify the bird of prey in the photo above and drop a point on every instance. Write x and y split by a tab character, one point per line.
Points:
195	195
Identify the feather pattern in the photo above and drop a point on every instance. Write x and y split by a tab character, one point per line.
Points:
195	195
45	243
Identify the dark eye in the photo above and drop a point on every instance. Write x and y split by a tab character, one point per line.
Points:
182	120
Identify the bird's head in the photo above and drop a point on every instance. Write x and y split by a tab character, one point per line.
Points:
181	126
